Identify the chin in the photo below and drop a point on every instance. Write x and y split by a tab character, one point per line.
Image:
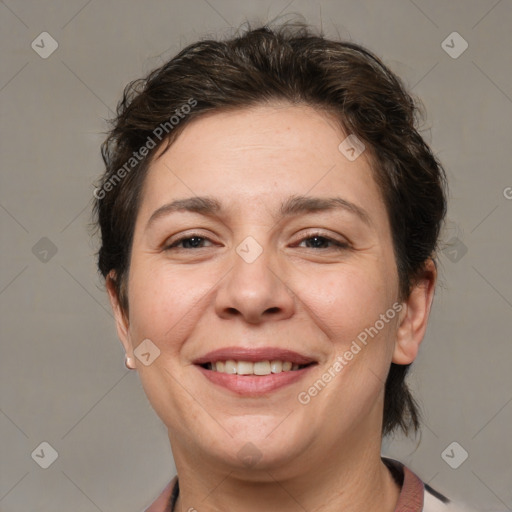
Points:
259	450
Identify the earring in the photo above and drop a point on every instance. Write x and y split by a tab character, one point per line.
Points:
129	363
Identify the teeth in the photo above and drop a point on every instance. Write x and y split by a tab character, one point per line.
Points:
245	368
276	366
250	368
230	366
262	368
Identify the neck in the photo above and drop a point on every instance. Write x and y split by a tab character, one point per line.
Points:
352	478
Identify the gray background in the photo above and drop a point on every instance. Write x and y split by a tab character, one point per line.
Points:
63	380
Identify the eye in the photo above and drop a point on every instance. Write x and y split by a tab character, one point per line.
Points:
193	241
319	241
313	241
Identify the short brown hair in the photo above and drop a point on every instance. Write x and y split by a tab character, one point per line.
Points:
288	63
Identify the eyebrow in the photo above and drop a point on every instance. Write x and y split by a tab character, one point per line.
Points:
295	205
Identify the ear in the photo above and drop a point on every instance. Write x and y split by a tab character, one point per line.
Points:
122	322
414	316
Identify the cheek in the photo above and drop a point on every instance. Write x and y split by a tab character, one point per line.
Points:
165	304
348	306
346	300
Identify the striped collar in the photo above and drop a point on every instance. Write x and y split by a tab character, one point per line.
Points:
412	488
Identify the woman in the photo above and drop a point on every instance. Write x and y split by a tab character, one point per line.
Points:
269	217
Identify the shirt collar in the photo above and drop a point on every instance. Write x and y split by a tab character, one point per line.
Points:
412	488
409	500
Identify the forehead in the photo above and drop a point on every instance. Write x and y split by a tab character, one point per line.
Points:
258	155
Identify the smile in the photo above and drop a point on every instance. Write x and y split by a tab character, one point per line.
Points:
232	367
249	383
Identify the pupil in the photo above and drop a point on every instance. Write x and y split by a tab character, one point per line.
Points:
194	241
318	241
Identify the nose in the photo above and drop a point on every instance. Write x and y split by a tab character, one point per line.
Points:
255	291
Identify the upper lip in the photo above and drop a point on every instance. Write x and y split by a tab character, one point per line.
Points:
254	355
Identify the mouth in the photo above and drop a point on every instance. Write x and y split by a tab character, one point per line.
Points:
253	372
260	368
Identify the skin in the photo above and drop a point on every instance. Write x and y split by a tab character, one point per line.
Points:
315	299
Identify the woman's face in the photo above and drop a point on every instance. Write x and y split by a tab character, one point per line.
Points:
268	271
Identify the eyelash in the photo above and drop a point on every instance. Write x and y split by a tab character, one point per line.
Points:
337	244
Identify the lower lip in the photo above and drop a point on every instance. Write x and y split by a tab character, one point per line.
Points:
254	385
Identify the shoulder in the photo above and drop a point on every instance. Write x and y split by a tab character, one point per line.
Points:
419	496
160	504
436	502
